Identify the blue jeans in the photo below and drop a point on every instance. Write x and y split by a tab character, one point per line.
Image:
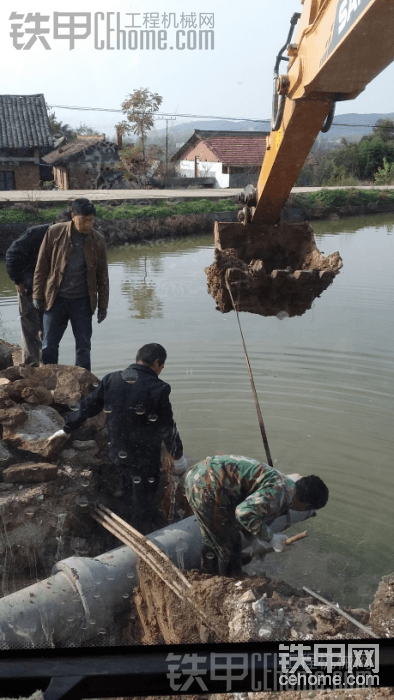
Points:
79	313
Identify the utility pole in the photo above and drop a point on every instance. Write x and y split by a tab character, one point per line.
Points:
167	119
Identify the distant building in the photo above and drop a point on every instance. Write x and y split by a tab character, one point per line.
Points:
25	136
86	163
232	158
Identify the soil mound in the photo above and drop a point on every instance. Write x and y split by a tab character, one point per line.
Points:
270	270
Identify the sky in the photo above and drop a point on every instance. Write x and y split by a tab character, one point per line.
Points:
234	79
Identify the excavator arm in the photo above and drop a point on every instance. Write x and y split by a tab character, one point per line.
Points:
340	46
271	267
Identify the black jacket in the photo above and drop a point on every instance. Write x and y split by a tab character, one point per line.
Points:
139	414
21	256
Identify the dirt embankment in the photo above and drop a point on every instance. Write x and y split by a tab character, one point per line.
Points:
46	488
248	609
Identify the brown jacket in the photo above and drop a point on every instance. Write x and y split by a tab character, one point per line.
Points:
52	258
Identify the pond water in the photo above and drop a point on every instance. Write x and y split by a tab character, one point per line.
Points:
325	385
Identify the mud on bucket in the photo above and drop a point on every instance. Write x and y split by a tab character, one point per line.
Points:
270	269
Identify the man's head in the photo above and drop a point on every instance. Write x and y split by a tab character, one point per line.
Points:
153	355
82	213
63	216
311	493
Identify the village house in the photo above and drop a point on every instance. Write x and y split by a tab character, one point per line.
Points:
25	136
232	158
86	163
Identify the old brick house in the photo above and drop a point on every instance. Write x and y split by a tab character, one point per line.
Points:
25	137
86	163
233	158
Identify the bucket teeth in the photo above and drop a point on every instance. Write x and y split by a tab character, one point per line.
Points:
269	269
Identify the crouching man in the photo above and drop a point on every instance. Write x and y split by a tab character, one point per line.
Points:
139	419
230	494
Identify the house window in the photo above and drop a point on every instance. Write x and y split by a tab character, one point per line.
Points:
7	180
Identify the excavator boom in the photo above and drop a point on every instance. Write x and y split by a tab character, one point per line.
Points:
340	46
270	267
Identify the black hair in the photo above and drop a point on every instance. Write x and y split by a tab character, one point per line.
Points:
312	491
151	352
83	207
64	215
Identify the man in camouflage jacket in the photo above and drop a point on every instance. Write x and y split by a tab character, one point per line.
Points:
230	494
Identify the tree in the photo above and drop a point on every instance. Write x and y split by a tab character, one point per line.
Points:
85	130
57	127
139	108
385	175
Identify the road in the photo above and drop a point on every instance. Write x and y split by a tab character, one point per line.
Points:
101	195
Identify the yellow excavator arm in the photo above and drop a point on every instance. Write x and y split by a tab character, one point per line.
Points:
339	47
274	268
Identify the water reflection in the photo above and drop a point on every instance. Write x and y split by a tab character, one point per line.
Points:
324	381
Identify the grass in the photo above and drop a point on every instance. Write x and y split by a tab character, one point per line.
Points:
165	208
124	211
340	198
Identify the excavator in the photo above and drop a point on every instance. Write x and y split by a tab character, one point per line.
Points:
262	264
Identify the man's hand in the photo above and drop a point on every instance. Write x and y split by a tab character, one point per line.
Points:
20	288
58	439
101	315
278	542
39	305
260	548
180	466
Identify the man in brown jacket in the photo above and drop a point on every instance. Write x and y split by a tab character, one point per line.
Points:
70	281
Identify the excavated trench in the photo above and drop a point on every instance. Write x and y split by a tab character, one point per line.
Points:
270	270
44	517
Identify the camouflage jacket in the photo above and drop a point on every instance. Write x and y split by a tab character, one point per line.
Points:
256	492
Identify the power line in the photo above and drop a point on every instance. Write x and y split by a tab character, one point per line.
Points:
201	116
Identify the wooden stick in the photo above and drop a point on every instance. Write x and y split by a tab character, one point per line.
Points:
300	536
365	629
147	543
153	565
139	543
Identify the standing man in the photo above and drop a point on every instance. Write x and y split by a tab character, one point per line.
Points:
20	262
139	419
70	280
230	494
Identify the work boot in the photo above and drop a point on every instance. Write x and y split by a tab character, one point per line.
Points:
209	561
232	567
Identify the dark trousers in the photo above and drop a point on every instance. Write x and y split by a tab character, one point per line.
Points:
79	313
31	326
138	504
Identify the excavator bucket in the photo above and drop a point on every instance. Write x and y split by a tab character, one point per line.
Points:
270	269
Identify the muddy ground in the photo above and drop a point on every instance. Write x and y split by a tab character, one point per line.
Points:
45	493
248	609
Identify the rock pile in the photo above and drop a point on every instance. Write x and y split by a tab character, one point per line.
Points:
46	488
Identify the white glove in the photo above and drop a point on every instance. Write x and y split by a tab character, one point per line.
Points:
59	433
278	542
180	465
58	438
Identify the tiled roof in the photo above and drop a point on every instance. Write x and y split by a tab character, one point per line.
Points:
66	153
237	148
24	122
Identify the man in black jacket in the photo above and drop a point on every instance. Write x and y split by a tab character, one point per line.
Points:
139	419
20	262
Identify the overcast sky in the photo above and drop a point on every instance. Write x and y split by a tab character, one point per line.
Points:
232	80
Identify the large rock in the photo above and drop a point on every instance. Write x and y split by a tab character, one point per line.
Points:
30	472
40	422
61	384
